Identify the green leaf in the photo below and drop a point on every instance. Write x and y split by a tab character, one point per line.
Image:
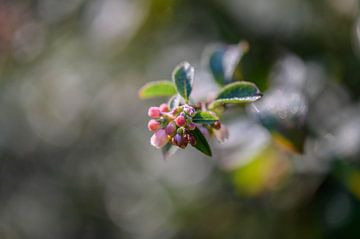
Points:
201	143
224	60
237	93
157	89
174	102
183	77
205	117
217	67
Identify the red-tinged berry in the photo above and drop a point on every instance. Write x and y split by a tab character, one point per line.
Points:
164	108
180	121
154	112
184	142
159	139
216	125
181	140
191	139
153	125
170	129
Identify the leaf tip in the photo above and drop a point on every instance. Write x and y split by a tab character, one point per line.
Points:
183	77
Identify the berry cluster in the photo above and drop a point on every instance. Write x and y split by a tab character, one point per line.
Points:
174	126
194	123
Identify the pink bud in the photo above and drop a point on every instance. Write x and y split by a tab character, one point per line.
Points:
153	125
180	121
177	139
159	139
154	112
180	141
170	129
164	108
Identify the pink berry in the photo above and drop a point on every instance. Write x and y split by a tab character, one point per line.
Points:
159	139
153	125
171	129
180	121
164	108
184	142
180	141
216	125
191	139
154	112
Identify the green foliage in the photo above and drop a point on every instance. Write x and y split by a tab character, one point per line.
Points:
157	89
223	62
216	66
287	136
205	117
201	143
180	90
183	77
237	93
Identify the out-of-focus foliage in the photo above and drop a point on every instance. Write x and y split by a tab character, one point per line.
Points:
157	89
75	159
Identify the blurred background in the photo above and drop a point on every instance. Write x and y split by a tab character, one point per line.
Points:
75	155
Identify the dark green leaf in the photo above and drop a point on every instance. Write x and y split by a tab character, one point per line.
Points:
205	117
157	89
201	143
217	67
237	93
223	62
183	77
